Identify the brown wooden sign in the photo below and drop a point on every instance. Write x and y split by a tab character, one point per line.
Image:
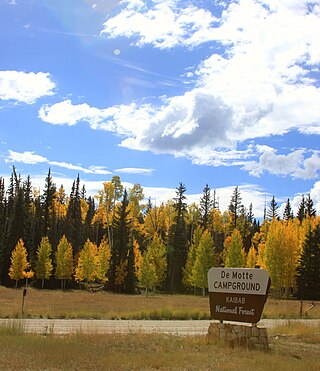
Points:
238	294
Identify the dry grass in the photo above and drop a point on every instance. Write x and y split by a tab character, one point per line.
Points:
105	305
149	352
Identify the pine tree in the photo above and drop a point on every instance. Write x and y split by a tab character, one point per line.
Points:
273	212
288	213
308	271
64	261
88	229
235	257
74	218
120	249
235	207
3	222
206	204
15	223
130	278
47	204
19	262
177	242
302	209
44	265
204	261
310	210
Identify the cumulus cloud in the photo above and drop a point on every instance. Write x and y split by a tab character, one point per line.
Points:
29	157
25	87
294	164
164	24
257	83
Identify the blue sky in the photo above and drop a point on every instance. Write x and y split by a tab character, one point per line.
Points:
161	92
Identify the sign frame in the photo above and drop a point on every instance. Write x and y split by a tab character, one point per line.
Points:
238	294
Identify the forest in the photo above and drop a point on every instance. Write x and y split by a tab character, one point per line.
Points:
126	244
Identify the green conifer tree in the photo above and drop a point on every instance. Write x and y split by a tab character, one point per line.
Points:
308	271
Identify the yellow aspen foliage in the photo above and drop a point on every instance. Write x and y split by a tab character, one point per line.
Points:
205	260
226	246
64	261
235	256
105	199
282	254
86	267
137	257
154	264
157	255
155	222
59	203
252	257
44	265
102	261
19	262
191	258
84	207
147	274
121	272
169	214
216	221
135	197
28	274
262	255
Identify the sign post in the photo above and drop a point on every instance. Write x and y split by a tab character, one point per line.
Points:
237	294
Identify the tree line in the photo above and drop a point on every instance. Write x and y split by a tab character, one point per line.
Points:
124	243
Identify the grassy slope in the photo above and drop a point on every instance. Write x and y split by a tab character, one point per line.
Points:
82	304
297	350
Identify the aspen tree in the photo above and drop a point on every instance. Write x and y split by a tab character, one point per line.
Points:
204	261
103	261
44	265
64	261
235	256
137	258
191	258
157	255
252	257
19	262
86	267
282	254
147	274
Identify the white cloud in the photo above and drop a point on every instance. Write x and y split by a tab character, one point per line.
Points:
294	164
165	24
26	157
29	157
260	84
25	87
134	170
